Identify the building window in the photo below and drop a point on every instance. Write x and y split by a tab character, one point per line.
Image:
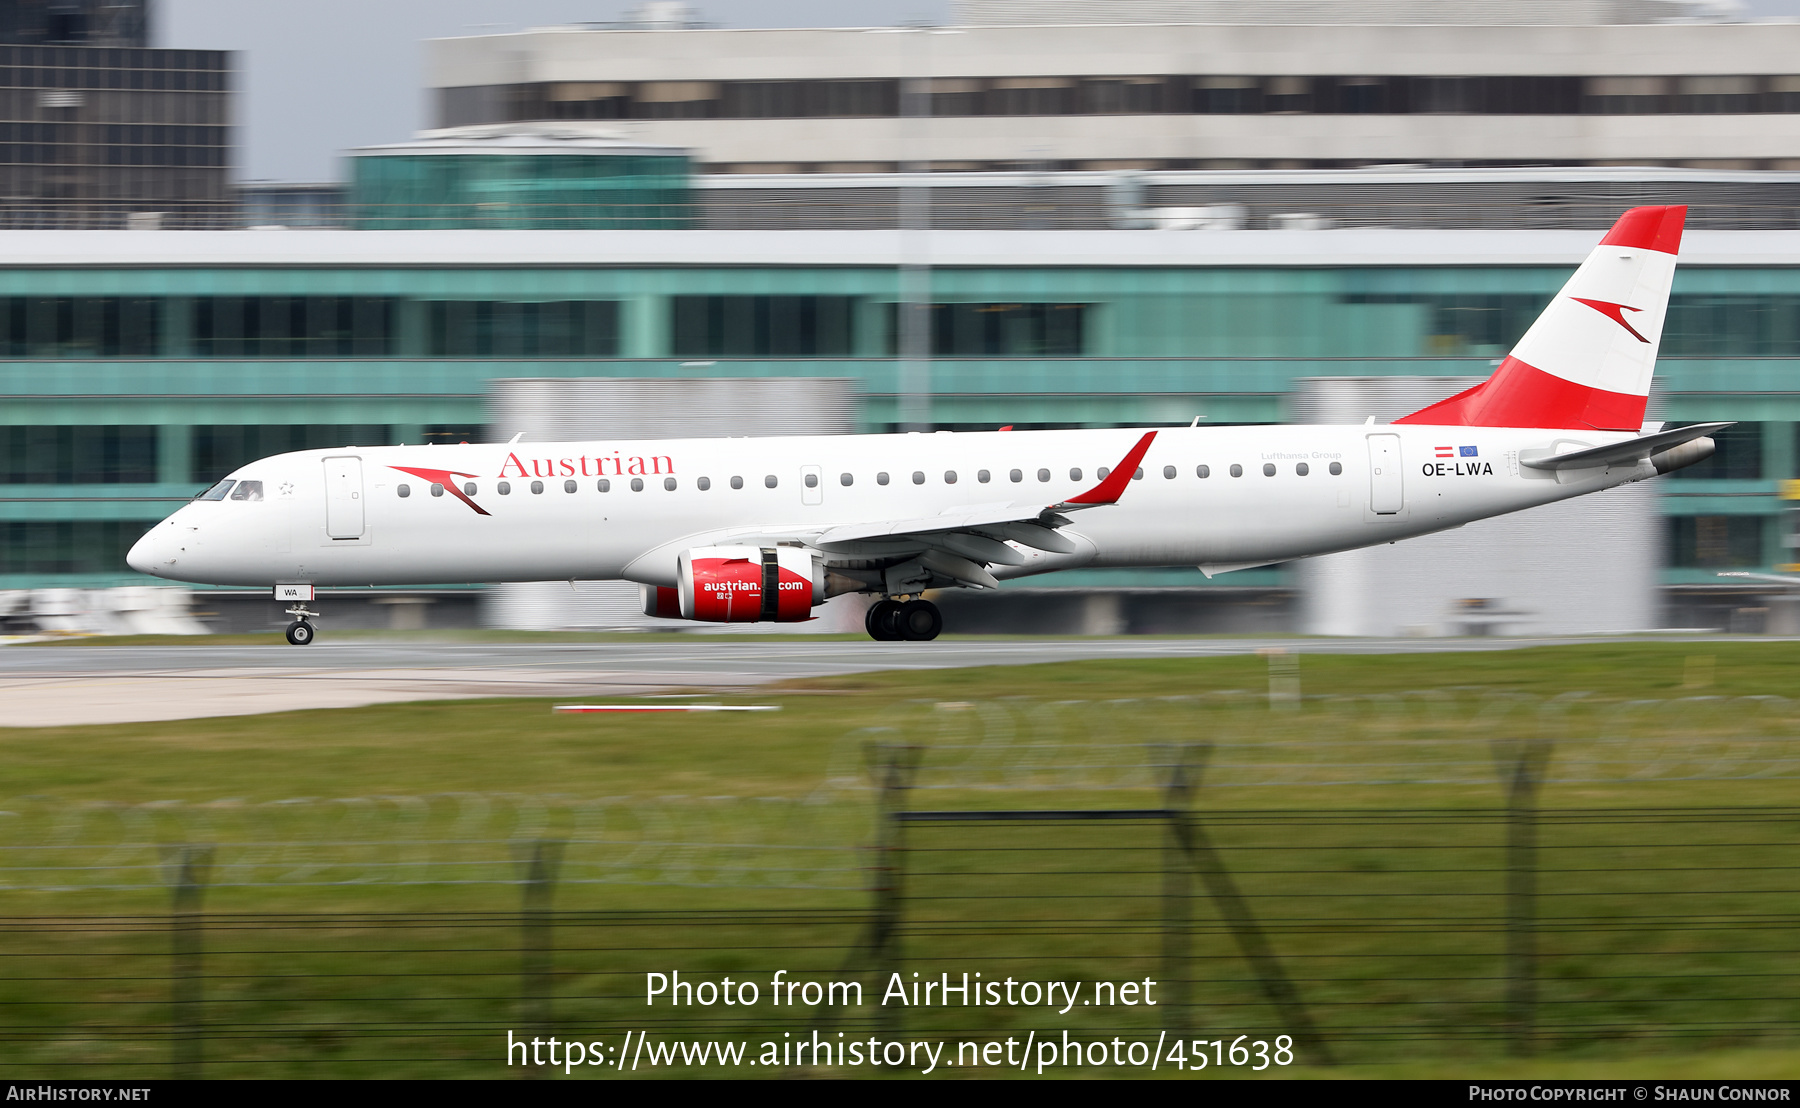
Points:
78	455
761	326
80	326
220	449
1714	542
1765	325
1001	330
505	329
293	326
68	546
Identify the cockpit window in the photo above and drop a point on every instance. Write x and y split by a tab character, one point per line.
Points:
217	492
247	490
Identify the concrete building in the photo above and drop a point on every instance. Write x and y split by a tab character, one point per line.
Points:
1280	92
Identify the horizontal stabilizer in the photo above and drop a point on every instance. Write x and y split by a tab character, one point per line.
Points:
1629	452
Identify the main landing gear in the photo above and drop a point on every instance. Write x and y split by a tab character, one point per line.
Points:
911	620
300	632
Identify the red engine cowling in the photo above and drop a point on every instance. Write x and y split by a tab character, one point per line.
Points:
743	584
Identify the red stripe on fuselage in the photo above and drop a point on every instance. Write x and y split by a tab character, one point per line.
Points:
1519	395
446	478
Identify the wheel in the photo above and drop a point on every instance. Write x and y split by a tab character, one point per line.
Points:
300	632
880	621
919	621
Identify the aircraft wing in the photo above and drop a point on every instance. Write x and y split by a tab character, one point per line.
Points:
975	534
1629	452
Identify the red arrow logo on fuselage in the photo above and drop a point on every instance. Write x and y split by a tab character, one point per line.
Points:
1614	312
446	478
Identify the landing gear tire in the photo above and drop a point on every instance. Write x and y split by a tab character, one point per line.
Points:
880	622
919	621
299	632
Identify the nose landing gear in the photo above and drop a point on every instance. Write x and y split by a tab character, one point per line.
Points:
300	632
915	620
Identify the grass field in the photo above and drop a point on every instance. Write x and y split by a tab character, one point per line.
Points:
1668	897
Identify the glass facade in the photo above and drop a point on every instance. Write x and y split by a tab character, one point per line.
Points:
219	449
762	326
78	548
519	191
164	379
514	329
78	455
102	138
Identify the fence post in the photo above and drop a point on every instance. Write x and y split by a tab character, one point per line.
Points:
1245	930
189	868
892	765
535	986
1522	767
1178	887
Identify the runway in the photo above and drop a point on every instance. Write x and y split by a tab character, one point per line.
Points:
60	685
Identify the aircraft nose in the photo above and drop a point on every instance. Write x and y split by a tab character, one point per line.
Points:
143	556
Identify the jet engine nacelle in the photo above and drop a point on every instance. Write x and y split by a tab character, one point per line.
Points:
741	584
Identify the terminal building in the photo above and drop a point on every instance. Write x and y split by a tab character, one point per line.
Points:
592	209
1167	85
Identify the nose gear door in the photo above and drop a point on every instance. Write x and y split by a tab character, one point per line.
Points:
343	498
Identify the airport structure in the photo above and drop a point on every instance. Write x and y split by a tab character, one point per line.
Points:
98	130
143	366
1111	233
1141	84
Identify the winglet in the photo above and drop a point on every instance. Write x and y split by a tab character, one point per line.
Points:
1109	490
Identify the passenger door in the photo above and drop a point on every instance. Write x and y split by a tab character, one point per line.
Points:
343	498
1387	496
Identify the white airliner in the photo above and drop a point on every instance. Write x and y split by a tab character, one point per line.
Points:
765	529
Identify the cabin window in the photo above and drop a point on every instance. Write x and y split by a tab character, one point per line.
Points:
569	486
668	484
881	478
918	477
703	483
537	487
983	476
1302	469
403	491
1075	474
1268	469
1203	471
1138	474
1043	475
637	484
504	488
1016	476
1100	474
1237	470
605	485
1168	473
469	489
949	477
846	480
437	489
247	490
812	480
770	481
737	482
1336	468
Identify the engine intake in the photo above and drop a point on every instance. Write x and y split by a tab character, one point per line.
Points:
741	584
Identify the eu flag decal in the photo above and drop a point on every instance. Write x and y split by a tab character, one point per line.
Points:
1467	451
